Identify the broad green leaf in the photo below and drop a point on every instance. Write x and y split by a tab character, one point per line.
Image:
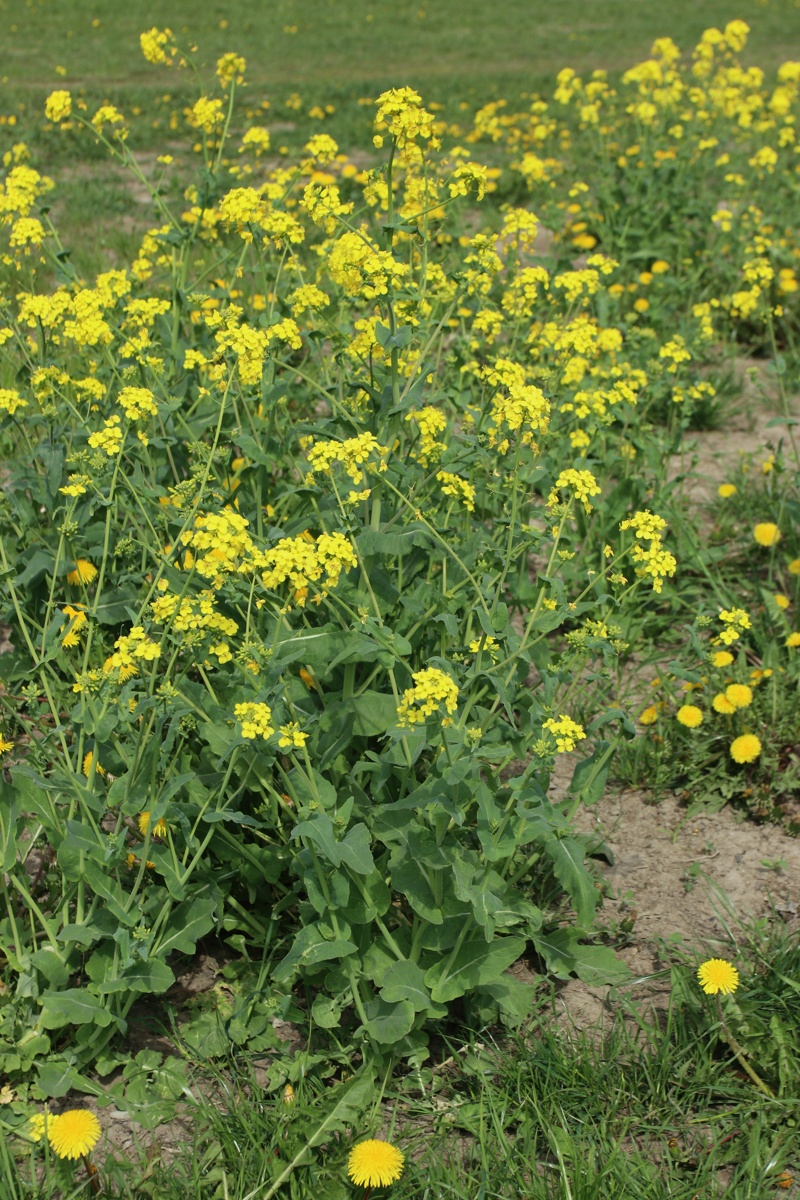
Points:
405	980
72	1006
514	997
375	713
188	922
388	1023
590	775
396	542
355	850
57	1078
309	947
410	881
475	964
151	976
326	1012
319	830
567	858
565	956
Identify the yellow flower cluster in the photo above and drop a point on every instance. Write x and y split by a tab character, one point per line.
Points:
137	402
432	689
188	613
582	485
129	649
648	551
109	439
221	545
302	562
255	720
566	732
734	621
352	454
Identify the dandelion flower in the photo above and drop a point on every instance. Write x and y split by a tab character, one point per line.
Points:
794	567
793	641
722	658
158	830
374	1164
745	749
766	533
717	975
649	715
739	695
726	490
781	600
73	1133
690	716
722	704
84	572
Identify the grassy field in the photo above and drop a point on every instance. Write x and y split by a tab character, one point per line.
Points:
342	43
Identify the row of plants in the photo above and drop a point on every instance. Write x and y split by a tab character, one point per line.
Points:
336	515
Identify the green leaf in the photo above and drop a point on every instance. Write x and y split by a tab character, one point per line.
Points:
410	881
101	883
565	956
321	648
355	850
309	947
388	1023
405	980
326	1012
590	775
375	713
188	922
515	998
72	1006
151	976
57	1078
567	858
400	541
475	964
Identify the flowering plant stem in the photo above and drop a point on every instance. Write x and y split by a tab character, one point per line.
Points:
740	1055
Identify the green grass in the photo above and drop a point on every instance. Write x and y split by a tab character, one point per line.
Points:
381	41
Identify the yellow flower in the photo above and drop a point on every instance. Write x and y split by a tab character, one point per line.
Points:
721	658
73	1133
794	567
158	830
722	704
793	641
690	716
782	601
432	687
726	490
291	735
256	719
88	758
566	732
84	572
649	715
766	533
739	695
58	106
717	975
37	1126
659	267
374	1164
745	749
